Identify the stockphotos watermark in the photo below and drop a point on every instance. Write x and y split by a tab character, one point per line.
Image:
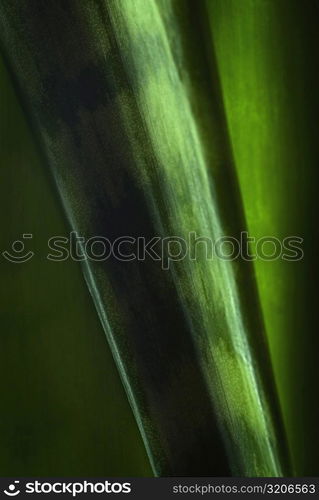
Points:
164	250
160	488
66	487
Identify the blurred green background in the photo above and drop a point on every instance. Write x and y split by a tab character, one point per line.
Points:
63	408
268	55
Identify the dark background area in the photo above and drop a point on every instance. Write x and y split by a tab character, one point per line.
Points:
63	408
